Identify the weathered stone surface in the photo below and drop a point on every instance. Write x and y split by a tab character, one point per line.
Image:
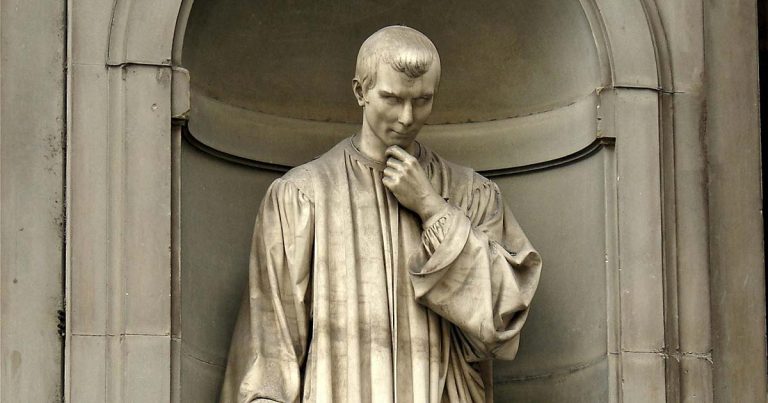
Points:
141	32
88	200
737	260
642	378
146	367
90	22
145	199
88	369
696	385
685	44
32	126
691	198
564	386
631	43
639	221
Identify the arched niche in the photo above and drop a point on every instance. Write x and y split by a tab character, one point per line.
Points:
271	88
521	95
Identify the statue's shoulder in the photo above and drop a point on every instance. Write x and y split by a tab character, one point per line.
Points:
460	175
481	182
461	180
301	178
306	176
462	172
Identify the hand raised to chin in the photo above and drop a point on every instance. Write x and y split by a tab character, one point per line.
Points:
406	179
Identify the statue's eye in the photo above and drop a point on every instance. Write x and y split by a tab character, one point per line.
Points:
423	100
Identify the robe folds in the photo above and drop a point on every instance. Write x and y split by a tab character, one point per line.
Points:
351	298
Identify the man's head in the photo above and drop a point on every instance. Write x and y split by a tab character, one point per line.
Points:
404	49
398	71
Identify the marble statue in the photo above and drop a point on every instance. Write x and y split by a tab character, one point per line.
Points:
380	272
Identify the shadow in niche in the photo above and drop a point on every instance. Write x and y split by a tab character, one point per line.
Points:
506	59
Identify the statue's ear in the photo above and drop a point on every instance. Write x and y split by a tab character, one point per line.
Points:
357	89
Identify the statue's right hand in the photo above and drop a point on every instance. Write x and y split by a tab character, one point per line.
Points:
408	182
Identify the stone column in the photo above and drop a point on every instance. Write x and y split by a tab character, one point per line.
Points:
735	210
119	261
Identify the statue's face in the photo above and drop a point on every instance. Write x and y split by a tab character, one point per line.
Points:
396	107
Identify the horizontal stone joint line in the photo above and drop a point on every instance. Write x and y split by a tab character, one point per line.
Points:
90	64
144	64
672	355
556	373
700	355
636	88
644	88
120	334
678	356
213	364
657	352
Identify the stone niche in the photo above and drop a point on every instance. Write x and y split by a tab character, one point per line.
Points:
271	88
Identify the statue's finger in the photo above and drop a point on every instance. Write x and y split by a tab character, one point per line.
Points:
393	162
397	152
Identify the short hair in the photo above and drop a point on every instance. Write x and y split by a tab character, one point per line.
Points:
405	49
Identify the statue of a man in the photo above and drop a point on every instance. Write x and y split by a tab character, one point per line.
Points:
381	272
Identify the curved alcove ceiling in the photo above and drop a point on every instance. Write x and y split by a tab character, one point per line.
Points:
485	146
266	62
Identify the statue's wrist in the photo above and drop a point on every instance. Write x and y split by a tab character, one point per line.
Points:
433	207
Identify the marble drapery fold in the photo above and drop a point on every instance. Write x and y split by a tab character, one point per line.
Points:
351	299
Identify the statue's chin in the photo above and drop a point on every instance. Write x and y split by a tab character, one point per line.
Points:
404	140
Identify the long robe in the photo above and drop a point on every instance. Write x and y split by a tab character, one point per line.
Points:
353	299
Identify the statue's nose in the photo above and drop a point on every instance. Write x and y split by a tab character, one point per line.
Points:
406	114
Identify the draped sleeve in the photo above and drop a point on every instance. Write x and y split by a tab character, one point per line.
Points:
269	345
480	274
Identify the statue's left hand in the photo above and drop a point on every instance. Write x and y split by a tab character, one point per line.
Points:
406	179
